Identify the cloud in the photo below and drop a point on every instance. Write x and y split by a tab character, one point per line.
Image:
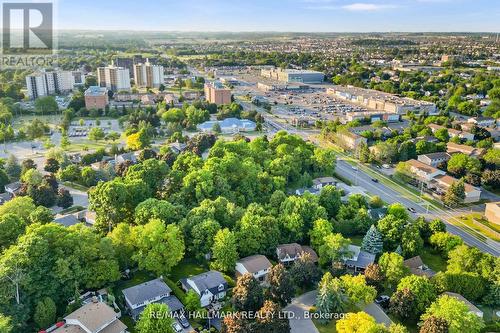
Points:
366	7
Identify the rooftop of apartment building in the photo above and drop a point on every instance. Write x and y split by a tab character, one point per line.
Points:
95	91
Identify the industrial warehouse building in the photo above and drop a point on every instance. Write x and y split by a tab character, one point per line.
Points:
293	75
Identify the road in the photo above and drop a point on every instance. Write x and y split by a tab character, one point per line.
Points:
389	195
299	306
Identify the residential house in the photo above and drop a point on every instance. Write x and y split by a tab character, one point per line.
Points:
494	132
131	157
423	171
93	317
443	182
417	267
257	265
492	212
461	134
358	259
154	291
434	159
319	183
288	253
13	188
67	220
377	213
452	148
210	286
472	308
178	147
482	121
435	127
351	140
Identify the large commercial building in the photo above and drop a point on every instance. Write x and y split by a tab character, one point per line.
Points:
96	97
114	78
293	75
147	75
216	93
381	101
49	83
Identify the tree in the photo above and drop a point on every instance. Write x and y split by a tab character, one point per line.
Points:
12	167
442	135
64	198
51	165
470	285
122	239
281	288
138	140
359	322
45	313
470	259
334	249
5	324
422	288
402	304
331	297
70	173
412	243
11	227
96	134
374	276
372	242
271	319
32	177
456	313
247	294
304	271
376	202
224	251
20	206
155	318
46	105
156	209
329	198
320	230
391	229
216	128
42	215
158	247
455	194
392	266
445	242
192	301
434	325
356	289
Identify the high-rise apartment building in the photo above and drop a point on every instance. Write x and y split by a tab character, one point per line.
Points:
216	93
114	78
49	83
147	75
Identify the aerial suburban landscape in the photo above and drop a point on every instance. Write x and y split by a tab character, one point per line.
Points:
269	167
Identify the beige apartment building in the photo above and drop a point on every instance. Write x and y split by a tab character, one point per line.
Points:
114	78
147	75
216	93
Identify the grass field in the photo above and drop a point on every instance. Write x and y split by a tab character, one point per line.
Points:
433	259
468	220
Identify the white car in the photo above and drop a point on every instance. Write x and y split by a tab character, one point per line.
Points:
177	328
354	167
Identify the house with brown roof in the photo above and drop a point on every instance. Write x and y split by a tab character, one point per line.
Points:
288	253
417	267
423	171
434	159
443	182
452	148
257	265
93	317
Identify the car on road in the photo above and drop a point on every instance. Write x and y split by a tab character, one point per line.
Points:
386	166
176	327
375	180
354	167
411	209
382	300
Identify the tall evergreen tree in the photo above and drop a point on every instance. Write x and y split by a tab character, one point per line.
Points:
372	242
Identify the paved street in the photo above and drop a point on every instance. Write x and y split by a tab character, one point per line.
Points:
360	178
299	306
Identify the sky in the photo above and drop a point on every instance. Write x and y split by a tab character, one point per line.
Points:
281	15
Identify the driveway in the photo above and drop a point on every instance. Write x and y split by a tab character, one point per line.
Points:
376	312
298	307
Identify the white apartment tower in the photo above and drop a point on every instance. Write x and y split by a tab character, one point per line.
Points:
114	78
49	83
148	76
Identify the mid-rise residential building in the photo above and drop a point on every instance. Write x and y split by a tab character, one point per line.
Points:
114	78
443	183
215	92
424	172
147	75
49	83
127	63
434	159
452	148
96	97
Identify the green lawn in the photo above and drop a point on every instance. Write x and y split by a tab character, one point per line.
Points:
356	240
187	268
468	221
433	259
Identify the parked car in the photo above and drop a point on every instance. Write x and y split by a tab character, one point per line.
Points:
411	209
177	328
382	300
184	322
386	166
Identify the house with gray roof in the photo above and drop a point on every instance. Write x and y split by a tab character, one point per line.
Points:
154	291
210	286
359	259
288	253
